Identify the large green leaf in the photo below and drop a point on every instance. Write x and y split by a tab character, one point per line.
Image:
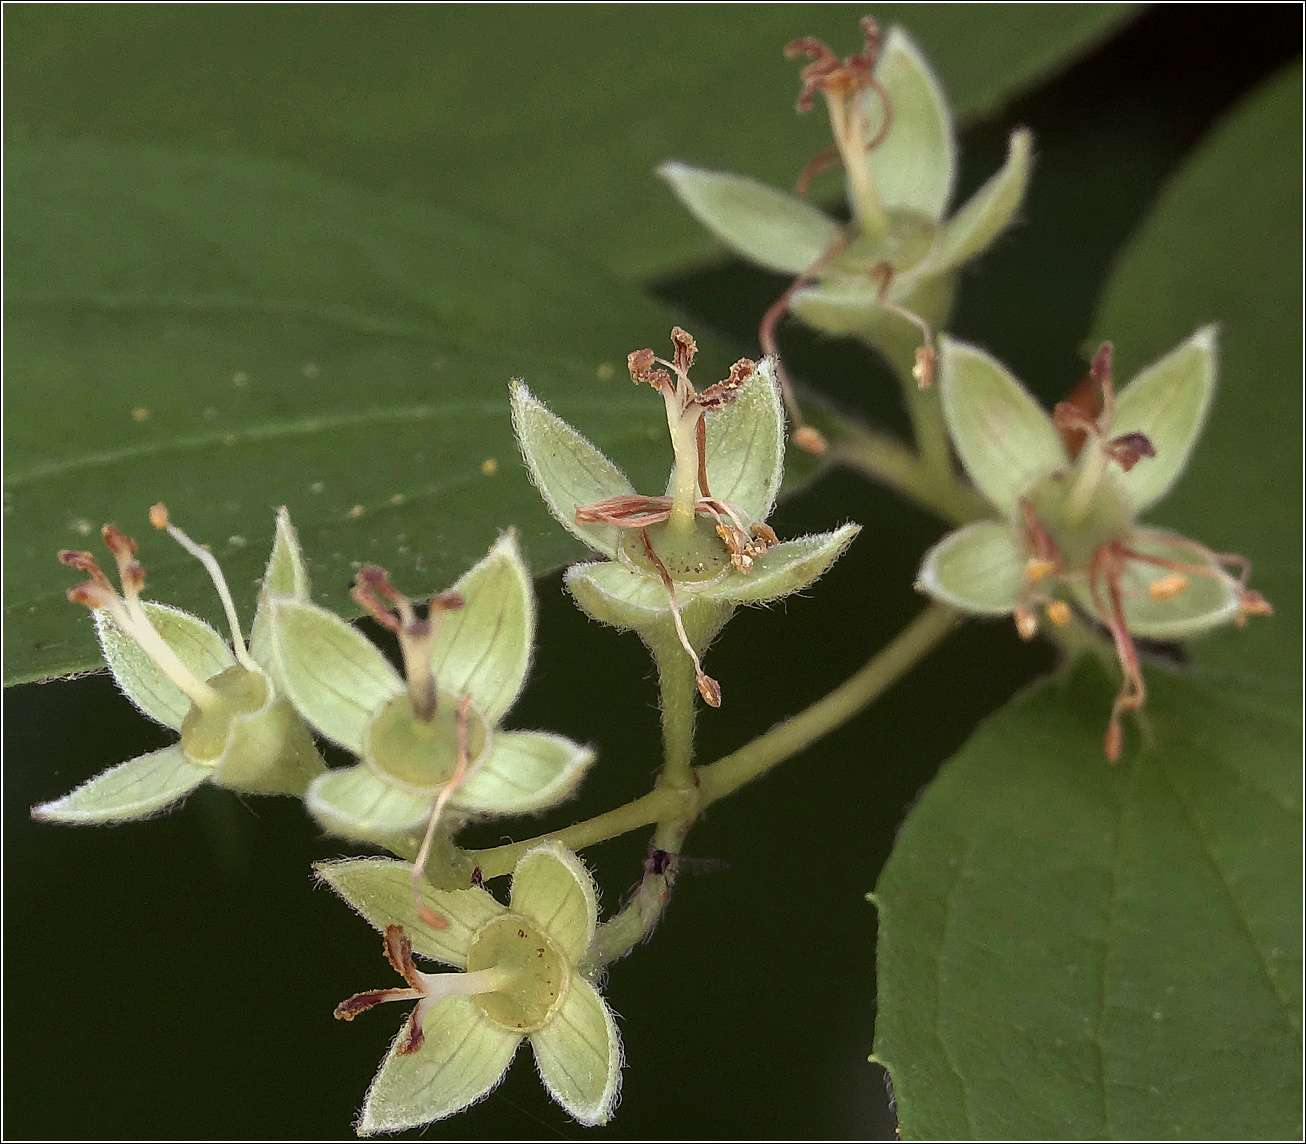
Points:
227	336
1070	949
1074	950
546	119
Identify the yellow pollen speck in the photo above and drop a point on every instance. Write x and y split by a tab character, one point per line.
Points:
606	371
1036	569
489	466
239	379
1167	588
140	413
1058	612
397	499
356	512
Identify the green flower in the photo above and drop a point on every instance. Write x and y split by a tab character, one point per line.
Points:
888	275
237	730
1068	490
679	564
429	738
519	978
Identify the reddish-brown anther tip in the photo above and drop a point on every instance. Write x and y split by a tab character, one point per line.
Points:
810	440
1114	742
685	349
1101	365
414	1038
1130	448
639	362
159	516
710	690
121	545
445	602
82	561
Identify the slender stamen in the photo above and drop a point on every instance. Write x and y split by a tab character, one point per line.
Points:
1106	565
923	370
159	518
708	687
428	915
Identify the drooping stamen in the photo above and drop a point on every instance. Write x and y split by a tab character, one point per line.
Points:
628	511
129	613
708	687
159	518
808	439
923	370
415	635
428	915
1107	566
426	989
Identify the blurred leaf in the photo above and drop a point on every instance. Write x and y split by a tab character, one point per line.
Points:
1072	950
522	115
227	336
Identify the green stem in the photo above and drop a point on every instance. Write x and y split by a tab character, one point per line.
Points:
678	688
664	804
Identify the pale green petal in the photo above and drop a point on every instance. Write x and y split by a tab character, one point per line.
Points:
1209	600
483	649
579	1054
336	678
788	567
1003	436
353	802
463	1056
524	771
197	645
745	446
616	594
286	575
978	568
551	886
135	789
771	228
1168	401
838	307
381	890
990	210
913	166
565	468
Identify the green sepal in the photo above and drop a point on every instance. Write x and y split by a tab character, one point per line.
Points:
381	890
978	568
484	648
286	575
744	455
988	212
463	1056
788	567
524	771
552	888
579	1054
612	593
197	645
269	752
332	673
567	470
1168	402
914	165
1208	601
1004	438
354	802
135	789
771	228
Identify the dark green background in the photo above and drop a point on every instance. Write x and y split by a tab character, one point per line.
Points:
176	978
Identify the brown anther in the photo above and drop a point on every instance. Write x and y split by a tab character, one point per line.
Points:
159	516
718	396
709	689
348	1009
1058	611
810	440
628	511
923	370
1130	448
1252	603
1114	740
766	534
1167	587
1026	622
1100	367
123	547
685	350
370	581
640	363
827	73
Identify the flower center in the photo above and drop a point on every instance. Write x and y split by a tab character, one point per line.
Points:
692	557
205	730
1079	527
422	753
537	975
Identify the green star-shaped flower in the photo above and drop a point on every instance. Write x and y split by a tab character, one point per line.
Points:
1068	490
679	564
237	729
429	738
520	978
